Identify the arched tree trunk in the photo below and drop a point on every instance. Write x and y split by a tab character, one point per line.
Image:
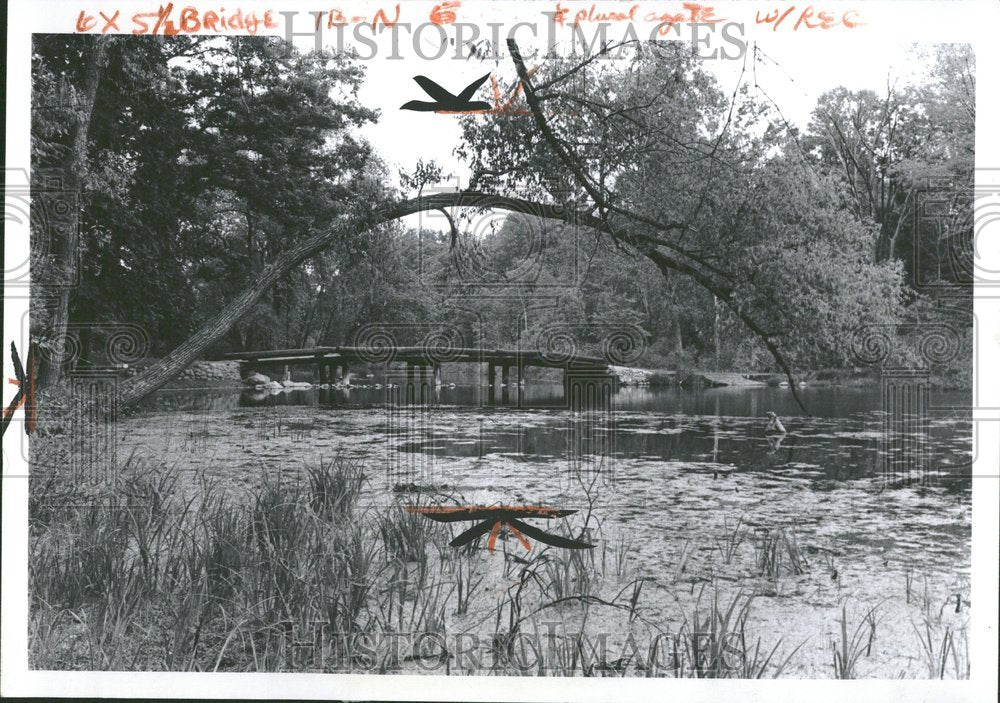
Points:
167	368
655	248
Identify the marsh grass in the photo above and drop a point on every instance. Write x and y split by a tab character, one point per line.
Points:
222	583
715	642
139	575
853	644
940	650
213	582
566	574
777	552
732	538
682	561
405	535
618	552
335	486
564	655
468	580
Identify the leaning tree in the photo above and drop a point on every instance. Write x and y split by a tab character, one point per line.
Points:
647	151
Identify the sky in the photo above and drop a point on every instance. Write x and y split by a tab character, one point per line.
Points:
795	76
794	80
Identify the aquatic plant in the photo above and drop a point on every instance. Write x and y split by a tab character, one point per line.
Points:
940	648
714	642
566	575
682	561
777	551
212	581
732	538
405	535
335	486
850	648
620	551
467	581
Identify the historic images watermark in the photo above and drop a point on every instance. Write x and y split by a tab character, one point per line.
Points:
549	649
586	36
91	391
39	211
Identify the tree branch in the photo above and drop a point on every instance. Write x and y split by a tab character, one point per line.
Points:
655	255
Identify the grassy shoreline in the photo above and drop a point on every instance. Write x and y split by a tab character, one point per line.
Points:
139	576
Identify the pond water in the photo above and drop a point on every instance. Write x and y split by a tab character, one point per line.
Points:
878	500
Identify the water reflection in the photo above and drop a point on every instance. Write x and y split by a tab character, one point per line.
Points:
846	438
661	466
742	402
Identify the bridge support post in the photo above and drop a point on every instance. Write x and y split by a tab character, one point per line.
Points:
345	374
491	380
437	375
520	383
409	382
321	366
505	380
422	381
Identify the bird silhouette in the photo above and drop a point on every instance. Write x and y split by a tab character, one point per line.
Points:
445	101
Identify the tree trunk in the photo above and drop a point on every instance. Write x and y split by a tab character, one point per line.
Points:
310	316
678	340
50	369
324	334
717	335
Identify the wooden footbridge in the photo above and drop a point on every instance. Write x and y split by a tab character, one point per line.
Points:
417	366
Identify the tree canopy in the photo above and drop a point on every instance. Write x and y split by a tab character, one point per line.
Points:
224	190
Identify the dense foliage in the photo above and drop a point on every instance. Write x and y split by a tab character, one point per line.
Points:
206	158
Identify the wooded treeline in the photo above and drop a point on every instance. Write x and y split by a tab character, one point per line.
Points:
191	164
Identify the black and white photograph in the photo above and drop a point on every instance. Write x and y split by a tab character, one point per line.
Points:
499	347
